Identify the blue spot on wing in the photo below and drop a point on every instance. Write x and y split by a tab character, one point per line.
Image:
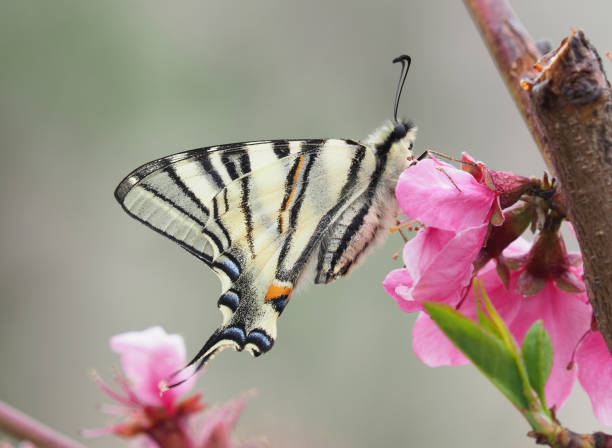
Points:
233	267
230	299
261	340
280	303
230	267
235	334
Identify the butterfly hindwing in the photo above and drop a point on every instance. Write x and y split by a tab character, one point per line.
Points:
288	223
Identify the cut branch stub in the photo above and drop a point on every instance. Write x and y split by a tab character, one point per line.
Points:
573	103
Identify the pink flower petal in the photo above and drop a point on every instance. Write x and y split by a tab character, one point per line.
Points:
595	375
446	264
216	430
438	267
147	358
519	246
432	346
398	284
459	203
566	318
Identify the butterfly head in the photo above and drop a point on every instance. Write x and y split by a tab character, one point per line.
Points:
394	139
404	133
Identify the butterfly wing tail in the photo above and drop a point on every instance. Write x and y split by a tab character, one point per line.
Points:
240	331
205	354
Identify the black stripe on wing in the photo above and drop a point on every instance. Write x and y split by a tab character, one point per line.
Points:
294	212
186	190
281	148
202	256
220	225
155	165
289	188
245	167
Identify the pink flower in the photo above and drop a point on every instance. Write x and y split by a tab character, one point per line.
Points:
432	346
149	357
456	210
595	375
442	196
566	317
215	429
466	234
438	266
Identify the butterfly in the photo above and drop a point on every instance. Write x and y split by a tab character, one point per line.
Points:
268	215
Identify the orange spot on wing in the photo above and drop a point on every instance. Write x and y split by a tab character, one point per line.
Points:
276	291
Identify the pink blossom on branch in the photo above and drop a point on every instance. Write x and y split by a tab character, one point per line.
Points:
456	209
566	317
162	420
149	357
525	282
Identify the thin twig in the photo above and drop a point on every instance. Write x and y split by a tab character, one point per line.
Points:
24	427
514	52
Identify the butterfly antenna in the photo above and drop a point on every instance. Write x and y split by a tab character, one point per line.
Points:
405	60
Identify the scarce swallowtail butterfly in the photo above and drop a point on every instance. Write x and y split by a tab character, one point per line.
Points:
263	214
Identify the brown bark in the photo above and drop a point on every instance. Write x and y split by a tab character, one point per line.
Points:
573	102
569	439
568	109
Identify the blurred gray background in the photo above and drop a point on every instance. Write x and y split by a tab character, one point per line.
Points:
90	90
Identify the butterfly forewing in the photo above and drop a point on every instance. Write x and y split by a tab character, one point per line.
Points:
173	195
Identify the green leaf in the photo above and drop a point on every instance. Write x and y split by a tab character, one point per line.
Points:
488	353
538	357
484	320
499	324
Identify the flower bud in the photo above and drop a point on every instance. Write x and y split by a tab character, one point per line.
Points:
548	258
516	221
509	186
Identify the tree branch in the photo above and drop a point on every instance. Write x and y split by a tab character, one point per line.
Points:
573	101
568	109
24	427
